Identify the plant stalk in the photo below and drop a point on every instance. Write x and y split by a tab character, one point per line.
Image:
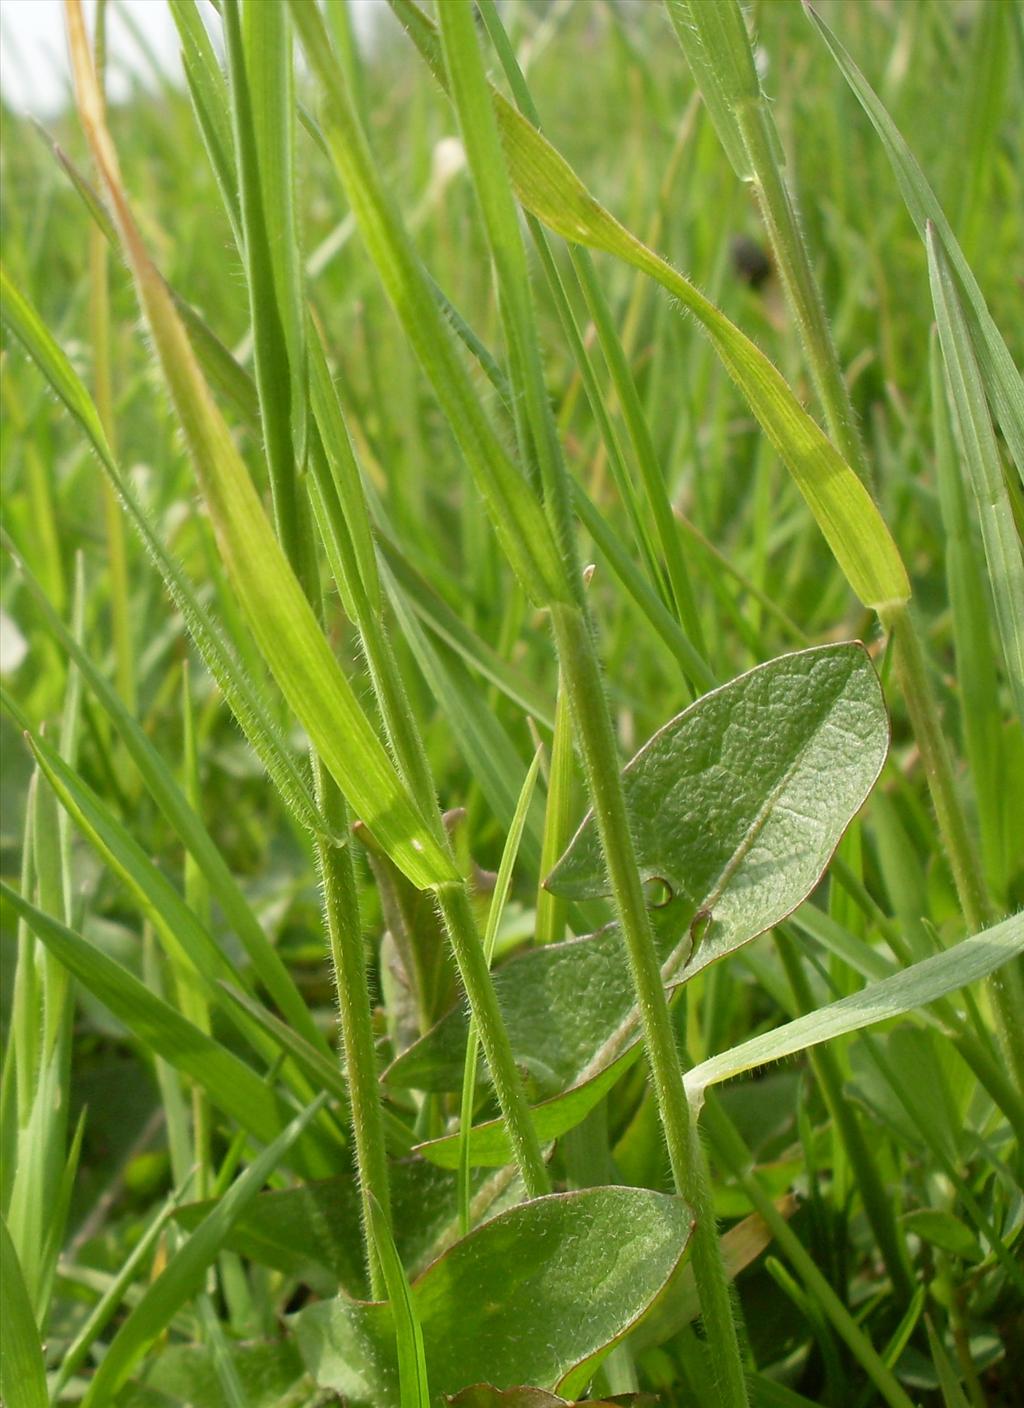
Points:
793	261
407	747
579	664
336	865
912	673
460	923
738	1159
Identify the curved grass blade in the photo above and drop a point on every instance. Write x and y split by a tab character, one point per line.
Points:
22	1372
243	698
1002	380
914	987
499	897
183	1275
277	611
843	508
231	1084
414	1391
983	466
550	190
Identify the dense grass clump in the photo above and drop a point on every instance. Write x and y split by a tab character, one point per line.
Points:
406	427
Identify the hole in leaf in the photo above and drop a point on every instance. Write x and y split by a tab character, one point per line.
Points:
657	892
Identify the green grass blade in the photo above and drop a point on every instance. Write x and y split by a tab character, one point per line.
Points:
714	39
188	942
499	898
452	631
57	1218
953	1395
207	89
844	510
274	371
269	64
983	467
169	798
183	1275
108	1303
243	698
22	1372
412	1364
41	1022
914	987
321	1070
225	374
559	811
351	495
271	596
483	741
518	519
538	441
549	189
233	1086
715	42
677	590
971	614
1001	378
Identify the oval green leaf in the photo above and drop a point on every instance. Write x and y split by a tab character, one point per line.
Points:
570	1274
737	806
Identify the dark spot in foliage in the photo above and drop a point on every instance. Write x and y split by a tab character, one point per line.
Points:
750	260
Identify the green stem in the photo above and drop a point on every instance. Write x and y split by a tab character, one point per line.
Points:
99	331
552	909
269	347
407	746
460	923
738	1159
912	675
878	1204
1006	991
790	249
578	661
341	909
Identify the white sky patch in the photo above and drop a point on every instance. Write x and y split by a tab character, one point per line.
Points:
13	645
142	44
35	75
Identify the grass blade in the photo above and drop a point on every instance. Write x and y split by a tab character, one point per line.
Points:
549	189
983	466
914	987
232	1085
269	55
518	519
269	65
169	797
1002	380
412	1364
277	611
209	99
243	698
844	510
183	1275
22	1373
499	897
108	1303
